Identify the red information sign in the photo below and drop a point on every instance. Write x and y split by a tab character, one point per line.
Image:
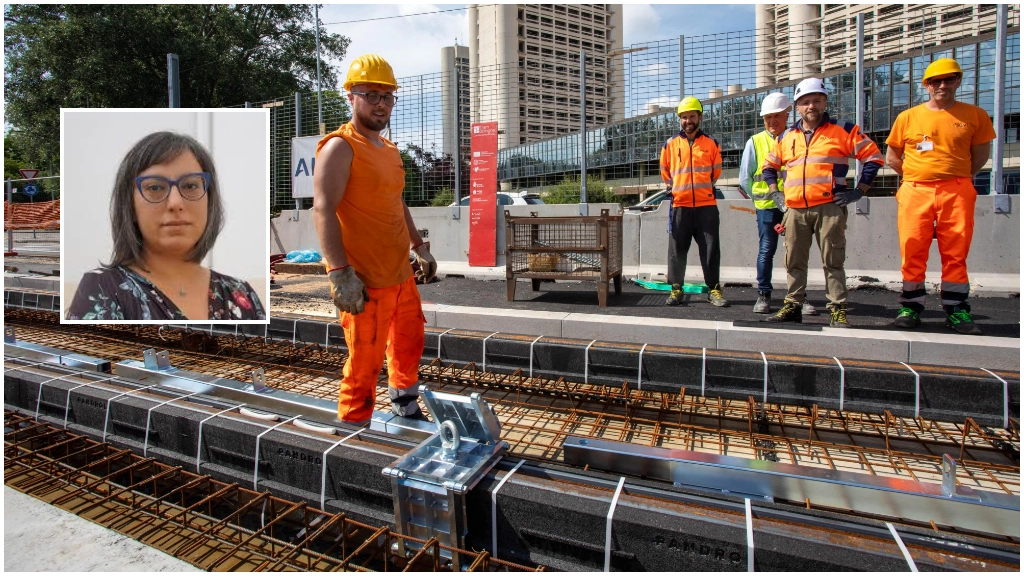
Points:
483	181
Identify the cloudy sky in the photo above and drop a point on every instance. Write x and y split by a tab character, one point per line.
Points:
412	44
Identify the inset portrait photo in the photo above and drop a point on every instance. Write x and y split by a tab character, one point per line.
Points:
165	216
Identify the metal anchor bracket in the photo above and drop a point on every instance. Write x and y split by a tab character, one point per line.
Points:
431	481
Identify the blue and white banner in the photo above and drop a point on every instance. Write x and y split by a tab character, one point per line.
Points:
303	163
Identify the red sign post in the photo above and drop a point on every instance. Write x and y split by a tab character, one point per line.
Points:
483	194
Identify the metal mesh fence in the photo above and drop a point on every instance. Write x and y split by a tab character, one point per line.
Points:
292	116
631	95
423	126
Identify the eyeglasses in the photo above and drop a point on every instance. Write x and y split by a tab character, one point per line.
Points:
947	80
374	98
156	189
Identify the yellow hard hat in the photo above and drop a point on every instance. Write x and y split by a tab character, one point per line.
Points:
370	69
940	67
689	104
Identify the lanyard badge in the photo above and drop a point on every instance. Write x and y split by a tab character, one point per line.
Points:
925	144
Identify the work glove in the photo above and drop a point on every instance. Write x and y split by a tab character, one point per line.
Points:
843	196
348	292
780	200
428	266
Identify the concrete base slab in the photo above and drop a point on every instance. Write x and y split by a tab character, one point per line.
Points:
843	343
953	350
40	537
669	331
498	320
32	282
940	349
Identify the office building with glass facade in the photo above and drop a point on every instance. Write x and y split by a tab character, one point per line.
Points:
627	152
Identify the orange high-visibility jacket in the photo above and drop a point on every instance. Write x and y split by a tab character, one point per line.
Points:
813	169
692	169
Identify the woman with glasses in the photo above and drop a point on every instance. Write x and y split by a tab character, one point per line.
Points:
165	216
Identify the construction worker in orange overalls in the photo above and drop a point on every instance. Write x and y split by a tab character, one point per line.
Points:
937	148
366	233
691	163
816	152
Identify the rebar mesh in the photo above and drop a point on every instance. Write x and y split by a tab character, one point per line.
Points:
211	524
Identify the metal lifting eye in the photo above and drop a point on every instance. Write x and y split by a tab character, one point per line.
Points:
449	439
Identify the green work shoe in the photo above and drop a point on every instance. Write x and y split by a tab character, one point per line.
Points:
959	319
715	296
907	318
838	313
675	298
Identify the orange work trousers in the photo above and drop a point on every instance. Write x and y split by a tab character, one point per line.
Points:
391	323
945	209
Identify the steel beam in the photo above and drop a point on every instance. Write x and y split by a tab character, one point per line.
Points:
977	510
50	355
255	395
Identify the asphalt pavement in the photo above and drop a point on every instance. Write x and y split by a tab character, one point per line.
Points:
867	307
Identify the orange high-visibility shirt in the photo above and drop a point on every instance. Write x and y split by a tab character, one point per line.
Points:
813	169
372	214
951	132
692	169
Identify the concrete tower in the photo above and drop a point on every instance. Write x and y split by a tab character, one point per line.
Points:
524	67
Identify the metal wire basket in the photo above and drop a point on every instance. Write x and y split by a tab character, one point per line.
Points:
576	247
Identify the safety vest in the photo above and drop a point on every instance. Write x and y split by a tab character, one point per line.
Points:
691	168
763	143
372	214
813	169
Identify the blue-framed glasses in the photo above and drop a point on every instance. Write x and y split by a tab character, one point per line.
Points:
374	98
156	189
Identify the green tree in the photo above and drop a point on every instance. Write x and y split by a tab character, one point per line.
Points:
444	197
116	56
568	191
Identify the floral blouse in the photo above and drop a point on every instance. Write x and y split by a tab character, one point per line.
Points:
120	293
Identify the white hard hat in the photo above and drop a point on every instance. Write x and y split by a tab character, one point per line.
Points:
775	102
809	86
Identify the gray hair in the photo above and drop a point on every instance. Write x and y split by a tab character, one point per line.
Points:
158	148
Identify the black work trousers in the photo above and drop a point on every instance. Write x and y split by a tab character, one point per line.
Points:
700	224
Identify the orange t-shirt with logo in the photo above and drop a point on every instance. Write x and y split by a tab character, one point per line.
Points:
951	133
371	213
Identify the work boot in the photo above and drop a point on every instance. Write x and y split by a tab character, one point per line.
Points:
838	312
907	318
764	303
959	319
790	312
715	296
808	309
675	298
404	404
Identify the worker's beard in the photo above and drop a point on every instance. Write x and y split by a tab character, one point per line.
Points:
375	123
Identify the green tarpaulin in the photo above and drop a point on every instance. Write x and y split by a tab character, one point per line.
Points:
687	288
